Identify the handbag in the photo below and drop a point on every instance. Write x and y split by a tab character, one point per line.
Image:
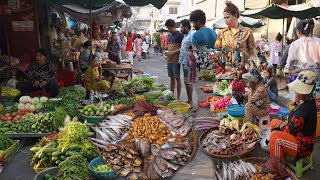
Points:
236	52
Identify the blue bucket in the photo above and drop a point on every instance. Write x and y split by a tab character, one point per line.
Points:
235	110
283	112
101	175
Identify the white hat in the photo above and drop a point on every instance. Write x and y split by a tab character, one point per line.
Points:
304	83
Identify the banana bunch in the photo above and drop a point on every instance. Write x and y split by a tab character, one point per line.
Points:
233	125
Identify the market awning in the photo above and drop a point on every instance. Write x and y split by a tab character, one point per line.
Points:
244	21
96	4
181	18
274	11
105	15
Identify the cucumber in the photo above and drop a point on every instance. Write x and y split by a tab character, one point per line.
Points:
62	158
35	149
71	153
49	150
57	153
57	162
54	158
41	155
44	159
64	150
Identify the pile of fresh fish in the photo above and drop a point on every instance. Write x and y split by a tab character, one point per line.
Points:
235	170
111	129
166	161
204	123
181	124
124	158
219	143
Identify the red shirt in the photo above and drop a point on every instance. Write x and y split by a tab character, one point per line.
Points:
220	70
129	44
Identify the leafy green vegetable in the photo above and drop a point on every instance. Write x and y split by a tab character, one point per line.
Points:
5	142
58	117
102	168
140	83
74	168
88	150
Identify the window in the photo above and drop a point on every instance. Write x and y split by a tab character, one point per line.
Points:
173	10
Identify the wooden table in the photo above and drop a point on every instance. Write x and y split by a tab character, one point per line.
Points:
117	69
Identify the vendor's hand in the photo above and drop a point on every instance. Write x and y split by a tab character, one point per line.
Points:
44	83
283	124
36	83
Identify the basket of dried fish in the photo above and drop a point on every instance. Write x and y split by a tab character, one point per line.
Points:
252	168
225	143
155	145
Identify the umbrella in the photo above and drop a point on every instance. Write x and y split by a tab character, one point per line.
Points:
244	21
274	11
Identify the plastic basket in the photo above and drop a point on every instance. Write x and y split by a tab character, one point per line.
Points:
101	175
179	107
53	171
235	110
92	119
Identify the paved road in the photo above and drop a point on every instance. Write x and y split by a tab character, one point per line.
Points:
200	168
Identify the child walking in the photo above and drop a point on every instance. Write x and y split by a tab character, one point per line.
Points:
193	65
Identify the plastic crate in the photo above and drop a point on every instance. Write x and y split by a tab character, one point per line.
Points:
11	150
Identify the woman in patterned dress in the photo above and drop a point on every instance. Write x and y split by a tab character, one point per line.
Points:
228	38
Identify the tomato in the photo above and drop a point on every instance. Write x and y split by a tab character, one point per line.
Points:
7	114
14	113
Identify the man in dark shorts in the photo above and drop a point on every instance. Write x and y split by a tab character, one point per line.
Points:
183	57
174	42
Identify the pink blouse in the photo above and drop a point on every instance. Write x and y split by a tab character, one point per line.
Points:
304	53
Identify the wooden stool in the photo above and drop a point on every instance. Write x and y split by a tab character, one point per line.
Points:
298	167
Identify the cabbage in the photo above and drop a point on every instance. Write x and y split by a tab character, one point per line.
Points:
35	100
28	106
38	106
32	107
25	99
21	106
43	99
167	93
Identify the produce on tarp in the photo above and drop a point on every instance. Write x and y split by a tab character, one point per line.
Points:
221	103
100	110
26	102
5	142
73	141
139	83
15	116
74	168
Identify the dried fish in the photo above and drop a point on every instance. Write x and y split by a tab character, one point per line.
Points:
155	149
168	154
144	147
162	163
125	172
133	176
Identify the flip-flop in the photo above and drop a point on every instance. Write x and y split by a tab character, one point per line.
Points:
194	108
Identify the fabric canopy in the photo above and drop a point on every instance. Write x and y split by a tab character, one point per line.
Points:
96	4
156	3
274	11
244	21
181	18
105	15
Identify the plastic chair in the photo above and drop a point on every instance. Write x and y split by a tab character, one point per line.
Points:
298	167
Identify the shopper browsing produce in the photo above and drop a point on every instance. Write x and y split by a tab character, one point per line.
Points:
42	75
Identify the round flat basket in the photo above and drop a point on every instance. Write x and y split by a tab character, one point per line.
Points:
203	135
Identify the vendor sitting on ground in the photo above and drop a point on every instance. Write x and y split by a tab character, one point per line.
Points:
116	84
296	137
258	104
271	84
42	75
98	83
